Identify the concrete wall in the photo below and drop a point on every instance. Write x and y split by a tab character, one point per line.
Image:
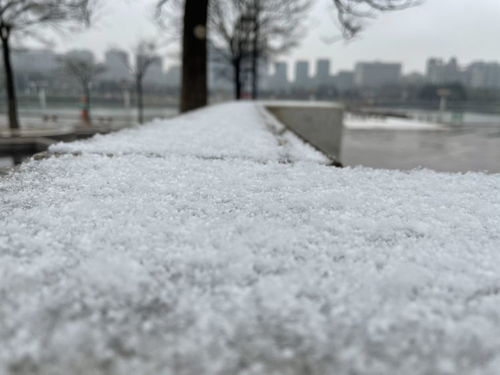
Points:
319	124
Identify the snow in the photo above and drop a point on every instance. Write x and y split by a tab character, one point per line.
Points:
389	123
240	133
174	260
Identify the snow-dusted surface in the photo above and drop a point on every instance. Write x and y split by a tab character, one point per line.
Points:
357	122
239	133
191	262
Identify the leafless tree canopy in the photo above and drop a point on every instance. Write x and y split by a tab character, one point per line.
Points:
82	70
351	12
245	31
145	54
280	23
23	14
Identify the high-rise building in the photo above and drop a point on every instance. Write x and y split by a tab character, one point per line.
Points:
323	72
439	72
117	65
279	80
484	75
220	71
344	80
263	74
302	79
434	70
376	74
154	74
29	61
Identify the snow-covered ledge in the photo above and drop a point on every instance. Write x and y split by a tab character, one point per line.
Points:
210	244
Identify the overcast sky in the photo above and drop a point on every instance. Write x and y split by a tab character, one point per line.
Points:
467	29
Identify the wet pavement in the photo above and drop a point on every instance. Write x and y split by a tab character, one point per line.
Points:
456	149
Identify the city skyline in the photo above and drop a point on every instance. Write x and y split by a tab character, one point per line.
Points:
310	67
280	75
421	33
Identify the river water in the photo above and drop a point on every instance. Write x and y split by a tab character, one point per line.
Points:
470	141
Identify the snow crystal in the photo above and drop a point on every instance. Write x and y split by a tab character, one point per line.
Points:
164	259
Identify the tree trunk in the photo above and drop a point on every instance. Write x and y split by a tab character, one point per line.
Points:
237	78
194	55
255	50
10	87
140	101
86	118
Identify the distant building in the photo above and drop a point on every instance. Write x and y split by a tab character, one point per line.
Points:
117	65
81	54
484	75
376	74
154	75
344	80
30	61
439	72
279	80
263	73
434	70
173	76
414	78
323	72
220	72
302	79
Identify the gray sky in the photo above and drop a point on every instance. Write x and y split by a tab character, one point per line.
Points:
467	29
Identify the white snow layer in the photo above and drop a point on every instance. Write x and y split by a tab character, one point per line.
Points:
188	265
222	131
389	123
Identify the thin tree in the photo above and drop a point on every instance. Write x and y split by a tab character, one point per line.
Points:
144	56
85	72
231	28
22	16
256	43
246	31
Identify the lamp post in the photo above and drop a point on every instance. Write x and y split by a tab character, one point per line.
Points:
443	94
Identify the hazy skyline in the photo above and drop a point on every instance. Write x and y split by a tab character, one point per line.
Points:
440	28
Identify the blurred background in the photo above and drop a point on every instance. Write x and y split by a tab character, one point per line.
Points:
420	84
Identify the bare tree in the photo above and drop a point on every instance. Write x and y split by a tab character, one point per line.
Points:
21	16
194	56
144	56
231	38
85	72
247	30
257	32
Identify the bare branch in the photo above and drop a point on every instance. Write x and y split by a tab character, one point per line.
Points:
24	14
351	13
84	71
